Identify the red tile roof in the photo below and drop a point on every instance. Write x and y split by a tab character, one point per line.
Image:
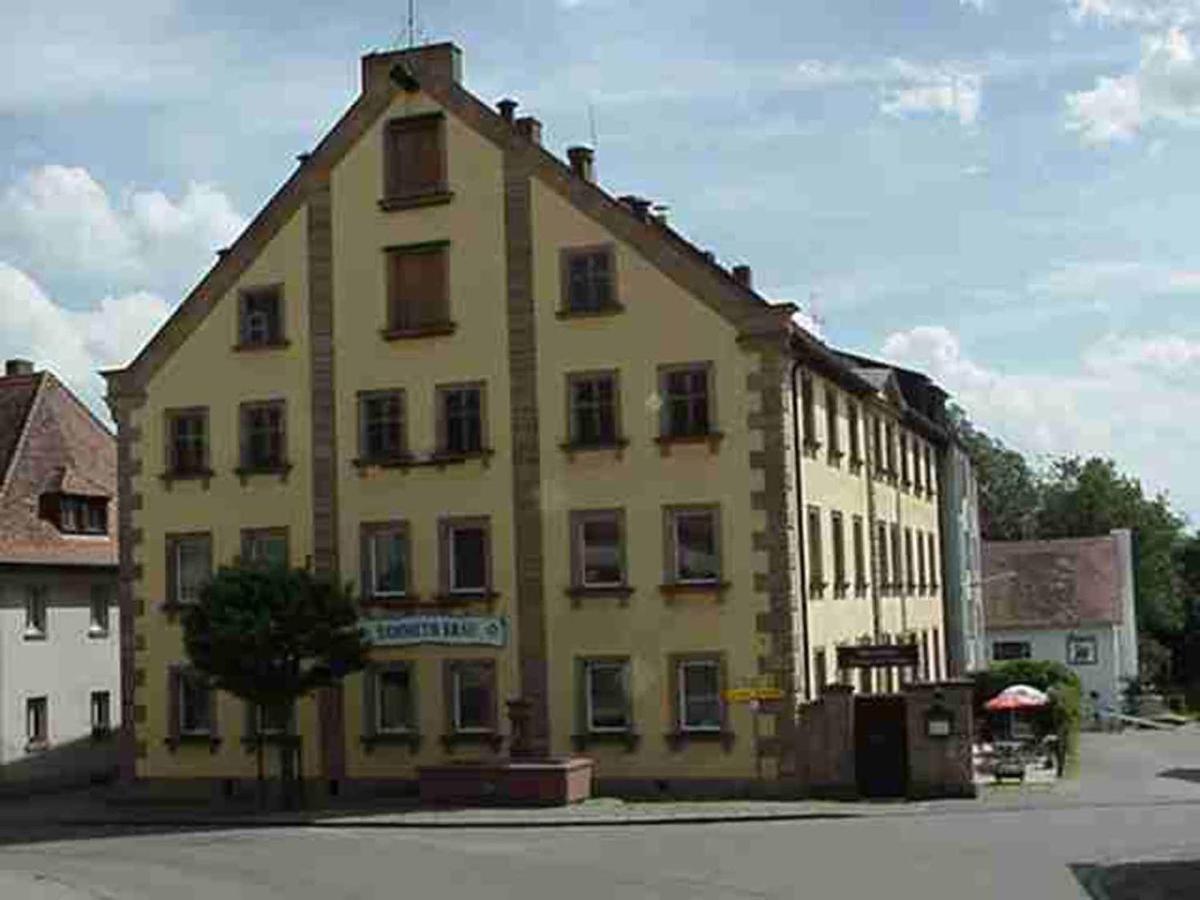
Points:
1052	584
50	442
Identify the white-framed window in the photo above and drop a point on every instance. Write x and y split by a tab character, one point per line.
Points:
387	562
606	695
35	612
195	705
1082	650
101	602
395	707
473	689
465	549
37	722
700	695
190	566
694	541
598	552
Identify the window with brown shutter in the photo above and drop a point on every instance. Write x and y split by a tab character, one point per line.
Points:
418	299
414	162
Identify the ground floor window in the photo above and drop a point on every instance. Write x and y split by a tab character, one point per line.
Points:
195	704
472	696
395	699
1004	650
101	707
37	725
699	684
606	695
1082	650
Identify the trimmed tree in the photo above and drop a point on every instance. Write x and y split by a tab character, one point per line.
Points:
270	636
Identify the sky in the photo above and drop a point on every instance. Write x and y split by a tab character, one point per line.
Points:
1000	193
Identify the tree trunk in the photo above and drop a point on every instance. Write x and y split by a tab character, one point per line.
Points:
258	753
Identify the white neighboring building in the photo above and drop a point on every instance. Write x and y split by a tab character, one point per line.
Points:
59	624
1069	601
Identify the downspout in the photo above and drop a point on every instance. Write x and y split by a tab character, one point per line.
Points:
798	455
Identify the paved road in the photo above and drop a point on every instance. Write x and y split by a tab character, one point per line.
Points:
1013	845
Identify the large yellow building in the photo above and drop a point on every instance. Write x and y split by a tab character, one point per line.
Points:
566	458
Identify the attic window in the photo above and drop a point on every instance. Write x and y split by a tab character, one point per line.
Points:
74	514
261	317
414	162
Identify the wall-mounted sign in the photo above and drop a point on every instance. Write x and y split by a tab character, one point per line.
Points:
871	656
485	631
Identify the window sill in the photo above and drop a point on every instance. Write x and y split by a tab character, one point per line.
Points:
97	633
436	197
816	590
270	738
676	740
37	746
212	741
571	448
461	598
33	634
244	473
603	312
439	459
667	441
856	465
579	592
102	735
810	448
204	476
716	589
835	457
397	602
840	589
493	740
261	346
860	589
628	739
425	331
409	739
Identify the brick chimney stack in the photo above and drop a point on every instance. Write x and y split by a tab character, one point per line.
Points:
583	162
743	276
17	367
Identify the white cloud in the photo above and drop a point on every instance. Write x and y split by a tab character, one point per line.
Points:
1165	86
930	90
74	344
1130	397
1141	13
58	217
1108	278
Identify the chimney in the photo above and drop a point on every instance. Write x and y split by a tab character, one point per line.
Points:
507	107
438	62
17	367
640	206
743	276
530	128
583	162
658	212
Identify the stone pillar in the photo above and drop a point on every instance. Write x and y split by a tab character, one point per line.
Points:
940	765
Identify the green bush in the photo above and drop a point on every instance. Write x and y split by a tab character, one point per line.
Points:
1061	717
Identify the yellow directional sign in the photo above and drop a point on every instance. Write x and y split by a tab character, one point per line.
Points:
749	695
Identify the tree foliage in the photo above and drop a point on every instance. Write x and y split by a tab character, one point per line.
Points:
1009	490
271	635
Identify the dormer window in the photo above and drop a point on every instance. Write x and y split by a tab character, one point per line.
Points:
75	514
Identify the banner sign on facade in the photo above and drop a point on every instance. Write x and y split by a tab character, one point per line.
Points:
485	631
870	656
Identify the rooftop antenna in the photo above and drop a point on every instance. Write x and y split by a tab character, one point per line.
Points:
412	24
592	124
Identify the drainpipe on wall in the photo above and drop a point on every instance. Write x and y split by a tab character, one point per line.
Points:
872	530
798	455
